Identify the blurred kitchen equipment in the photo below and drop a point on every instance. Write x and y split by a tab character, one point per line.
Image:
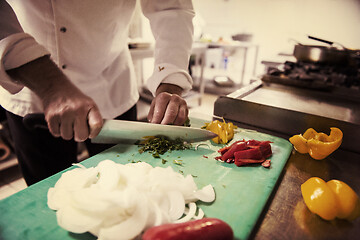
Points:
242	37
322	54
334	70
223	81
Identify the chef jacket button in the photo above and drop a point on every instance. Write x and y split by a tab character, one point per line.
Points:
63	66
63	29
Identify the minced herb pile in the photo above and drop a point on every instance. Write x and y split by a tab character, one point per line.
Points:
159	145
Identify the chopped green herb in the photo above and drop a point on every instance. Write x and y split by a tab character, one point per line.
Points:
181	172
187	123
160	144
134	161
163	161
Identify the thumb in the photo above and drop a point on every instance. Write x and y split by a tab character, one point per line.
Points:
95	122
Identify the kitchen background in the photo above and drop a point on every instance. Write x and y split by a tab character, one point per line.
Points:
270	27
275	26
273	23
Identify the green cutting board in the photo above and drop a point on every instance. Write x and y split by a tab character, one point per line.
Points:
241	192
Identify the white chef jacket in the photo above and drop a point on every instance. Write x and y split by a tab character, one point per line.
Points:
88	40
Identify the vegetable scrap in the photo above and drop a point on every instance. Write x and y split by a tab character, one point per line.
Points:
113	200
158	145
330	200
247	152
318	145
224	130
178	162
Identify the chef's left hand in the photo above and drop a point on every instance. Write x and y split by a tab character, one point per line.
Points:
168	107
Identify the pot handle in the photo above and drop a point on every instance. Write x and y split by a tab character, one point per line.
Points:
321	40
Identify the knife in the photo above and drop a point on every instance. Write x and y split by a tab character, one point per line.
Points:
120	131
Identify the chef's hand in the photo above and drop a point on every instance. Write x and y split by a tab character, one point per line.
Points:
69	112
168	107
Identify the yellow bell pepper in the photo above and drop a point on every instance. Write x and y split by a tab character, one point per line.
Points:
330	200
318	145
224	131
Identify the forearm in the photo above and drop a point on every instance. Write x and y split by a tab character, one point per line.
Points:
42	76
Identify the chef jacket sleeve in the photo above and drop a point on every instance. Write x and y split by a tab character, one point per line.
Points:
16	47
172	27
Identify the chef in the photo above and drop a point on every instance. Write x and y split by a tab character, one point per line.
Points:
70	60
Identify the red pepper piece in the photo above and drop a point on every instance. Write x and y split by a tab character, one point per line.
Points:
265	148
251	153
242	161
206	228
253	142
237	146
266	163
223	150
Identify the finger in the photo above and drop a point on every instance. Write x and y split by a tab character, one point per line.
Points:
151	111
182	115
67	128
171	111
161	102
54	126
95	122
81	128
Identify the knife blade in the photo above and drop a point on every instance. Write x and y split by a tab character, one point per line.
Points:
120	131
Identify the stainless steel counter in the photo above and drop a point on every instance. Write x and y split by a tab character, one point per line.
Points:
284	112
291	111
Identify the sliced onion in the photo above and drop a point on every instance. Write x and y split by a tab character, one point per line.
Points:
200	214
58	198
177	205
206	194
129	228
77	178
115	201
190	213
108	175
76	221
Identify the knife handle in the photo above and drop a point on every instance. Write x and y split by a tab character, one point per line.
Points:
35	121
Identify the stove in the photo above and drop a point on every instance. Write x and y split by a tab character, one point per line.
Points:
336	79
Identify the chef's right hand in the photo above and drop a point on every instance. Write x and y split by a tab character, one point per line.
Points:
69	112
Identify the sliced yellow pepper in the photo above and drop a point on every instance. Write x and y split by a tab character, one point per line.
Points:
347	199
225	131
318	145
330	200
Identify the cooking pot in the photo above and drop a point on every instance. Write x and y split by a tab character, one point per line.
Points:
321	54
